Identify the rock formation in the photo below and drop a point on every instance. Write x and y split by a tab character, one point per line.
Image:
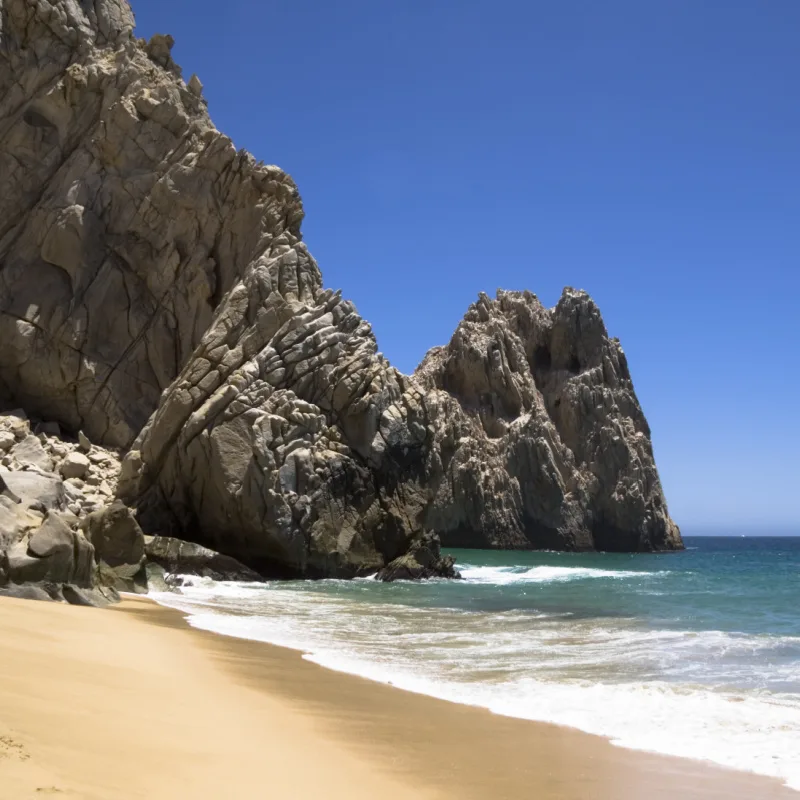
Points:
124	216
64	537
42	505
156	296
118	547
185	558
543	440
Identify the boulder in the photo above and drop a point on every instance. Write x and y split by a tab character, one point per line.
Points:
27	591
52	553
116	536
29	451
35	490
98	597
53	539
16	423
15	521
156	578
130	578
177	557
75	465
422	561
119	547
5	491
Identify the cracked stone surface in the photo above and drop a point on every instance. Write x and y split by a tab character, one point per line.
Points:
124	216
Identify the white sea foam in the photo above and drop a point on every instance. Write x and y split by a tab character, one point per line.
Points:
647	689
543	574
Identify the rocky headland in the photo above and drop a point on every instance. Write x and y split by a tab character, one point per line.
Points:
173	366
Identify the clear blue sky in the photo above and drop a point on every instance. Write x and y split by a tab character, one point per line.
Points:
648	152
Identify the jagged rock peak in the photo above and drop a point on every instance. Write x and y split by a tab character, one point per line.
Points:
549	444
74	23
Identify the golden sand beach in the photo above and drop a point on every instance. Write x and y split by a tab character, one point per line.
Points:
132	703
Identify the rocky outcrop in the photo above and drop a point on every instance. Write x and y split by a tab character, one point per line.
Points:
422	561
41	543
52	479
287	441
119	548
156	296
124	216
543	441
178	558
138	245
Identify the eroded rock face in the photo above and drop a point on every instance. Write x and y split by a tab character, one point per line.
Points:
155	296
124	216
546	444
287	441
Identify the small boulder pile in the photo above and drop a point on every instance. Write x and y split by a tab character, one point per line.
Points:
64	536
89	473
49	487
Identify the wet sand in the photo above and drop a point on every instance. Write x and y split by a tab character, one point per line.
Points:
133	703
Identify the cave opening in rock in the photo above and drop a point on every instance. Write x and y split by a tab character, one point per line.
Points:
542	358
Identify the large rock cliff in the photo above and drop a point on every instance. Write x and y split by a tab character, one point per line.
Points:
546	444
155	293
124	215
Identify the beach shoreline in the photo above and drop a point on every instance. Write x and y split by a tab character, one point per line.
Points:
135	703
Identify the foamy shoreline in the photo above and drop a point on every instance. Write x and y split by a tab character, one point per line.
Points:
725	729
134	703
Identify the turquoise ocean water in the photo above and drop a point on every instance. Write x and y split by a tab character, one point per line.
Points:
694	654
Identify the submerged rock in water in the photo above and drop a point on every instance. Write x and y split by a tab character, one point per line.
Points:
157	297
420	562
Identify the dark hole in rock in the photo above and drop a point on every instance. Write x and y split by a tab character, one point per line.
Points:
542	358
574	364
36	120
